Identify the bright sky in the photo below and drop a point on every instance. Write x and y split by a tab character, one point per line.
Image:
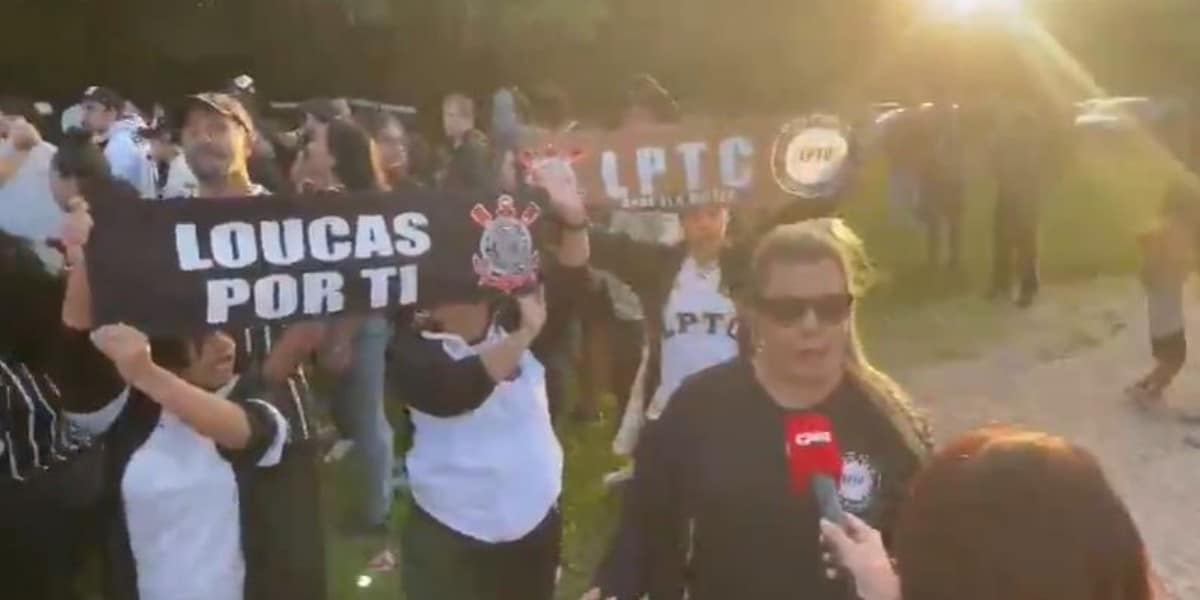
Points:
967	8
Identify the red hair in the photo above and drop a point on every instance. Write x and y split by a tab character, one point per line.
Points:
1005	514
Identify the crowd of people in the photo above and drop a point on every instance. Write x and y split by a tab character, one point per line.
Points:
188	464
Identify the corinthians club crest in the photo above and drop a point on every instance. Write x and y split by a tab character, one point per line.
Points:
506	260
810	156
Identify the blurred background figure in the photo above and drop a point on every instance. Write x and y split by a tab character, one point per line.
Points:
115	130
393	142
354	354
510	118
943	179
550	108
27	206
1169	258
468	160
173	176
1019	163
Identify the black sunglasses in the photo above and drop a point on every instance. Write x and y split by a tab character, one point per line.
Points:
830	309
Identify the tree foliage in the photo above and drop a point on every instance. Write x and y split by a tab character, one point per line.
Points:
717	54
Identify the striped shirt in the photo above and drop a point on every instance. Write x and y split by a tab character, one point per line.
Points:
254	346
32	436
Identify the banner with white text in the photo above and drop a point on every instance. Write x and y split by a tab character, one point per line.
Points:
196	264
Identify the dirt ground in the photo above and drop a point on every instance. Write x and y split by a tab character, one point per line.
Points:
1061	367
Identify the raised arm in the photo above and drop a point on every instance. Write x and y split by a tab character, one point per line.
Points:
557	178
442	385
76	230
233	426
295	345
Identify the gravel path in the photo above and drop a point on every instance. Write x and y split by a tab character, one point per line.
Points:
1063	371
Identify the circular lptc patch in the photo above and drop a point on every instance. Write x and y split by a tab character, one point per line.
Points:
810	156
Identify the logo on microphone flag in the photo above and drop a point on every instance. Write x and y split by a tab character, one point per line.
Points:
860	479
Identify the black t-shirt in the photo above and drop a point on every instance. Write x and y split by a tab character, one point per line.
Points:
711	511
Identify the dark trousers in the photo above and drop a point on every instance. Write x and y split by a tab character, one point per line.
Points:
442	564
1015	247
612	352
942	214
41	546
285	548
39	559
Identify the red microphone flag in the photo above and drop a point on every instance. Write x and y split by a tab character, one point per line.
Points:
812	450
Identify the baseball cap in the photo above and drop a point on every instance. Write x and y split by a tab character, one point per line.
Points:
106	97
224	105
241	85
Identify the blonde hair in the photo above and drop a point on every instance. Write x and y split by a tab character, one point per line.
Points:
831	239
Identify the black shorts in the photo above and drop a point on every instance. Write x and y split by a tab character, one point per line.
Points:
1170	348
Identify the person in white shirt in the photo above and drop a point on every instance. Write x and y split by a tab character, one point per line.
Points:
27	206
117	134
173	176
485	466
692	321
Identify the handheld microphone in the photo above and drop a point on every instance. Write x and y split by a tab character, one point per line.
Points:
815	462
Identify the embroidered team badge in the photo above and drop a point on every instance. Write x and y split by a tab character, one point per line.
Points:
506	260
860	481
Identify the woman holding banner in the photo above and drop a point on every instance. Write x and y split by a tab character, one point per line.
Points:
691	317
188	412
186	438
485	468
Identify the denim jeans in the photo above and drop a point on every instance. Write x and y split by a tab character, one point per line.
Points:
358	404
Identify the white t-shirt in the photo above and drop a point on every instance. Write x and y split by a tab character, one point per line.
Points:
129	157
181	506
493	473
699	330
27	206
181	182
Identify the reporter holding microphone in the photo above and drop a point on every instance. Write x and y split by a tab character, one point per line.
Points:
722	504
1003	514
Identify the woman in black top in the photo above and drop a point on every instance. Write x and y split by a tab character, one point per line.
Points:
711	512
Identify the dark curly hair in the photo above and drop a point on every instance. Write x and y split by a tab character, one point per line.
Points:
79	158
356	161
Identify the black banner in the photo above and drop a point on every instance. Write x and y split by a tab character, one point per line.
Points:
189	265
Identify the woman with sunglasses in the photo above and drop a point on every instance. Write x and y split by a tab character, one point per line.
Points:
714	510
